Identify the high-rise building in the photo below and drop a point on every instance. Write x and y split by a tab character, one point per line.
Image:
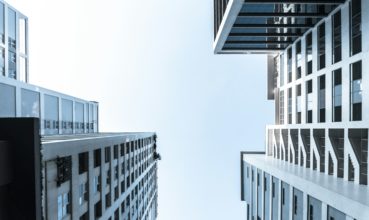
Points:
315	163
54	163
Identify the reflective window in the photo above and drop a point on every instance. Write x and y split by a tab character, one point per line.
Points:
336	38
356	91
63	205
7	100
12	29
2	61
281	107
309	101
337	95
289	64
30	103
281	79
321	46
51	114
321	99
309	53
2	23
298	104
12	65
355	26
67	116
298	60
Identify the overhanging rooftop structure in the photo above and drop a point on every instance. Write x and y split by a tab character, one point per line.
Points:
265	26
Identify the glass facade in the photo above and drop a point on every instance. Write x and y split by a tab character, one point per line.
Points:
356	91
336	37
355	26
309	101
321	46
309	53
337	95
321	99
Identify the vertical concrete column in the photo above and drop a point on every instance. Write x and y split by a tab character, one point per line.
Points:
346	93
349	153
327	150
324	210
305	206
262	194
303	98
302	150
279	192
314	151
74	188
103	179
73	116
292	202
315	98
60	112
90	177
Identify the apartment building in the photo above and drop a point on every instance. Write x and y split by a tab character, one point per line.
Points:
54	162
315	163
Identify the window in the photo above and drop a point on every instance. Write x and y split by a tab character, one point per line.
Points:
2	23
298	104
356	92
298	60
108	200
273	189
97	158
281	79
115	152
107	154
82	193
309	101
63	205
83	162
281	107
289	106
321	46
336	38
355	27
12	65
337	95
311	212
321	99
295	204
283	194
289	64
96	184
309	53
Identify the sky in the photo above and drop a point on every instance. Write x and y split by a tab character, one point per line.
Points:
151	67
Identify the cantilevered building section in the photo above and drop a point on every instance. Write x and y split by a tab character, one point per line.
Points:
54	163
315	164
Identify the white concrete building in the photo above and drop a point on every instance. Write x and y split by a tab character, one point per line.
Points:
54	163
315	164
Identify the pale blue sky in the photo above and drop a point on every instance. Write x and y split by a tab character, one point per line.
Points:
151	66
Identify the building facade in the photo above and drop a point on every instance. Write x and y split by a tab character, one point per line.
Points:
54	162
315	164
